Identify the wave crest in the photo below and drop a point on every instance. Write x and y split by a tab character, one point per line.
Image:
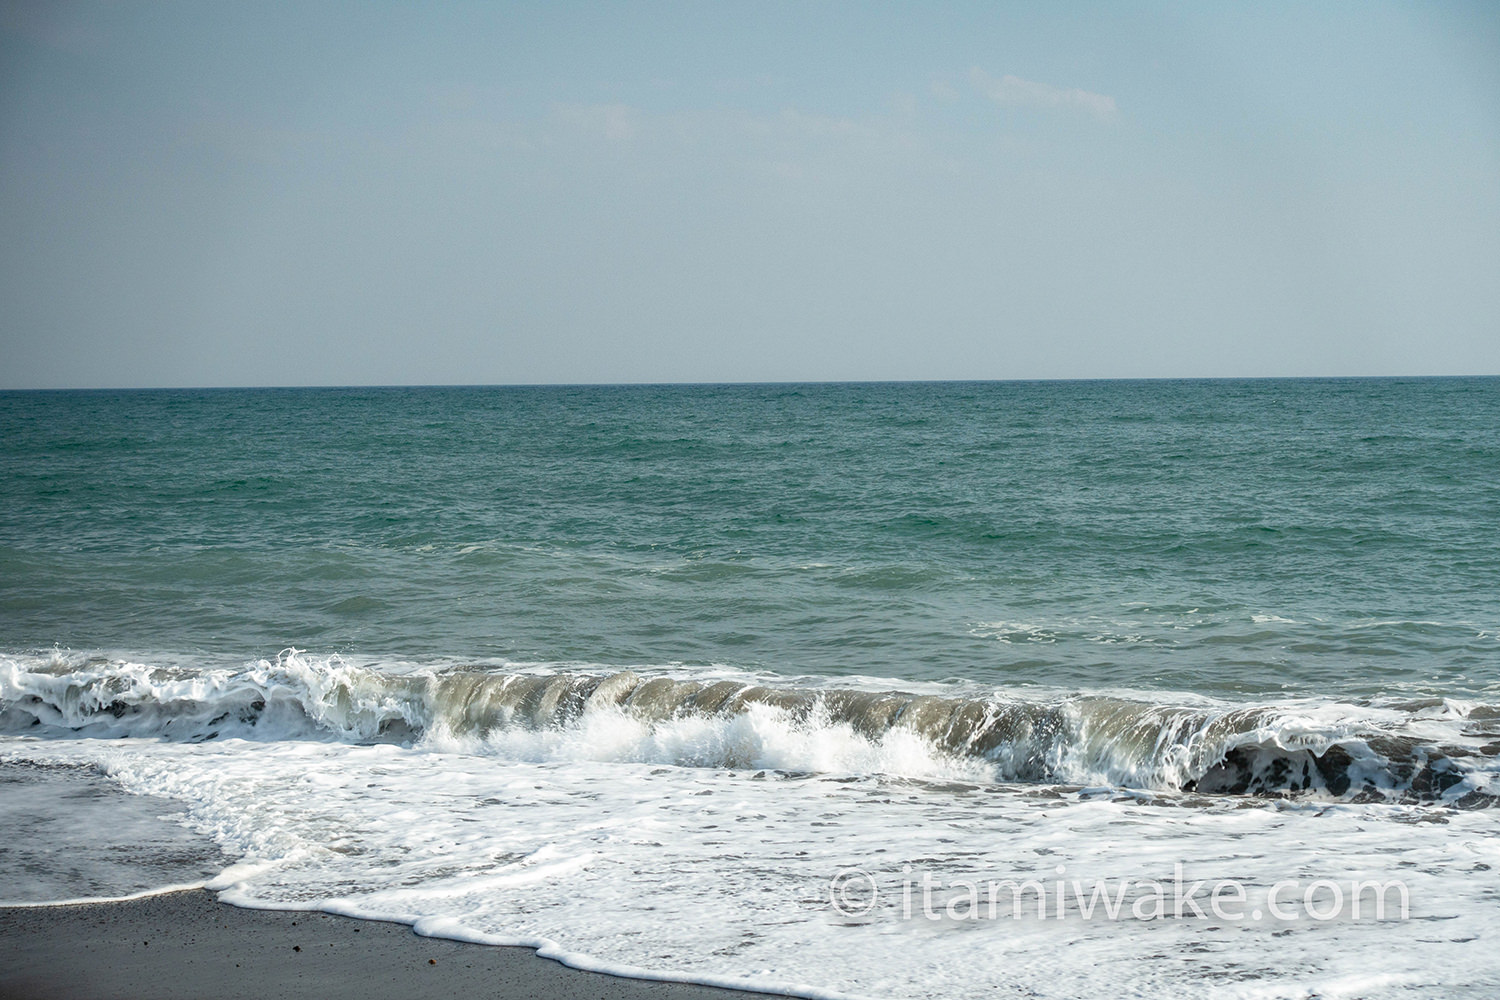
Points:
1434	751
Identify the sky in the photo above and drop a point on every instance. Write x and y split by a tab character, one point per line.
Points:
320	193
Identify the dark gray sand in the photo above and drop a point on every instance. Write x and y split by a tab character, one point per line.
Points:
188	945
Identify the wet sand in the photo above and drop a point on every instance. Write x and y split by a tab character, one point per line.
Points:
188	945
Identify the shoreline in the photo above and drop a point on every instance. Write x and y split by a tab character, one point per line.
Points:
186	945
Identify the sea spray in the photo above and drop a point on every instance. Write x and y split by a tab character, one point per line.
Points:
1434	752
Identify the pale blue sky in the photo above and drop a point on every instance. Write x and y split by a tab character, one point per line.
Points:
319	193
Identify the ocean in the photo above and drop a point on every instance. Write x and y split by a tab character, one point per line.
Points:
930	690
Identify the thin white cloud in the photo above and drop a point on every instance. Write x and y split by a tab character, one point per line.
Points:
616	122
943	90
620	122
1012	91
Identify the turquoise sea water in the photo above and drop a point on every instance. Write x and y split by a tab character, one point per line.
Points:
695	682
1214	536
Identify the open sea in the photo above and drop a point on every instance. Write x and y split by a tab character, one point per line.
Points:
934	690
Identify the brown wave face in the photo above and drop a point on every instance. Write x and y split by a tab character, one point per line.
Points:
478	702
1080	740
1239	752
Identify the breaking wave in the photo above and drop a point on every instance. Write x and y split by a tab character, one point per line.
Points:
1437	750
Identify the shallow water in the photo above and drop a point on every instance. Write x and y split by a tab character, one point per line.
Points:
68	833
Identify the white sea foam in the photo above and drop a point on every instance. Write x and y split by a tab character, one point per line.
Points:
699	846
726	718
159	890
721	876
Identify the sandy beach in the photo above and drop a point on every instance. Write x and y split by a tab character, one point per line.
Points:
188	945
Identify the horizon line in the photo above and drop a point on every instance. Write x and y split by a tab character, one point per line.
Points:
686	384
